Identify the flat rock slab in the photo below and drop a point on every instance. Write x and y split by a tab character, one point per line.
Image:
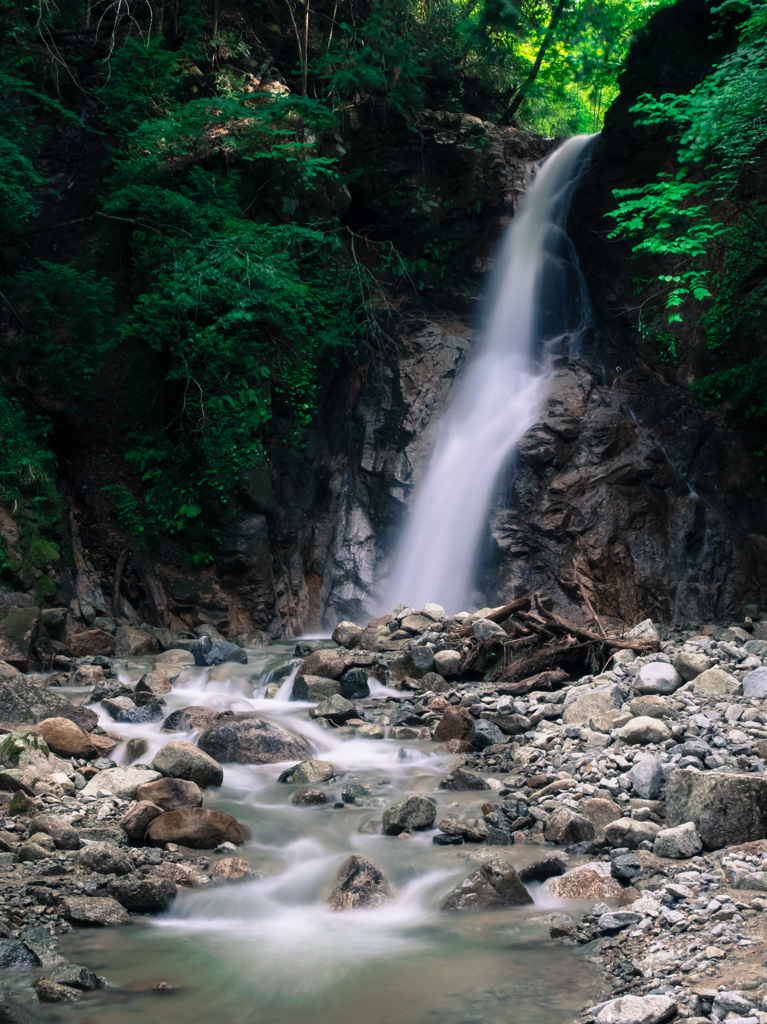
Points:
122	782
94	910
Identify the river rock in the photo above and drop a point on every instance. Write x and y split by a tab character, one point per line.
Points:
484	629
138	818
755	683
182	760
105	859
23	699
143	895
590	704
726	809
309	797
650	706
134	643
415	813
174	657
354	684
657	678
566	826
75	976
122	782
192	717
476	831
66	739
92	642
626	867
678	843
510	725
359	883
253	741
630	833
716	683
314	688
600	812
17	955
101	910
456	723
617	920
460	779
155	683
447	664
231	867
495	884
336	709
63	835
196	827
19	629
547	867
637	1010
308	772
208	652
647	778
123	709
346	634
590	881
690	664
484	734
328	664
643	730
169	794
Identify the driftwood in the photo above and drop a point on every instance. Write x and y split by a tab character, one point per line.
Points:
557	625
549	680
498	615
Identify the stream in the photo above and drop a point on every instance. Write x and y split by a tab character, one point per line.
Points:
268	949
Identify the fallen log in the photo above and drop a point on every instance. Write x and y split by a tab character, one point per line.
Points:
498	615
545	658
548	681
559	625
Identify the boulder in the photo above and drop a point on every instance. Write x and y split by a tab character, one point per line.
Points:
716	682
143	895
314	688
98	910
170	794
138	818
346	634
66	739
653	707
105	859
510	725
617	920
415	813
460	779
231	867
643	730
657	678
690	664
19	629
174	657
336	709
359	883
600	812
590	704
495	884
23	699
328	664
476	831
647	777
308	772
253	741
134	643
17	955
484	734
181	760
156	683
196	827
726	809
456	724
209	652
630	833
755	683
678	843
92	642
626	867
74	976
566	826
122	782
354	684
123	709
415	624
63	835
192	717
637	1010
590	881
547	867
447	664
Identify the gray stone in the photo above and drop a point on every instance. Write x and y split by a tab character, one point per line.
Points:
123	709
657	678
76	977
101	910
678	843
637	1010
757	647
415	813
182	760
460	779
314	688
630	833
354	684
346	634
644	730
422	658
495	884
143	895
690	664
308	772
484	629
105	859
122	782
617	920
336	709
716	682
447	663
626	867
253	741
24	700
755	683
477	831
359	883
216	652
591	704
64	836
727	809
15	954
484	734
647	777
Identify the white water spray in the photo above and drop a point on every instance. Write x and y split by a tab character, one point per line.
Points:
498	399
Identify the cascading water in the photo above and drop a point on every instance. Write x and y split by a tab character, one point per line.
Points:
500	396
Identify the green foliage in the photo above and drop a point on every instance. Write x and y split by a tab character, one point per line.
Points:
142	79
67	326
127	510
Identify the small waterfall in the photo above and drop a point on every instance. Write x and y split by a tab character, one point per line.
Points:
537	296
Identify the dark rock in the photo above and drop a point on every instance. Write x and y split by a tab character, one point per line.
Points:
119	710
216	652
23	700
354	684
626	867
63	835
456	724
136	748
105	859
309	771
92	641
12	1012
336	709
484	734
540	870
359	883
253	741
314	688
134	643
567	826
459	779
15	954
51	992
445	839
86	718
309	797
76	977
353	791
495	884
510	725
94	910
143	895
415	813
19	629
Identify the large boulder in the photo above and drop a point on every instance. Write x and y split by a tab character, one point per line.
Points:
19	629
495	884
725	809
566	826
455	724
657	678
170	794
328	664
690	664
134	643
92	642
630	833
157	682
314	688
63	835
413	814
460	779
755	683
591	704
715	682
346	634
139	817
182	760
102	910
23	699
196	827
67	739
122	782
143	895
447	664
484	734
359	883
105	859
253	741
192	717
590	881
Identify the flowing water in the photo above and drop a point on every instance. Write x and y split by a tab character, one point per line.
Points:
537	296
269	951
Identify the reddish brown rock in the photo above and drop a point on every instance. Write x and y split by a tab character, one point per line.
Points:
67	739
328	664
231	867
196	827
455	724
171	794
92	642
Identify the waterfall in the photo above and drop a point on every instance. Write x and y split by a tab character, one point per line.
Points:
500	395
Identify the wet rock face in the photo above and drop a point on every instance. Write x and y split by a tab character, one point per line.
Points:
495	884
253	741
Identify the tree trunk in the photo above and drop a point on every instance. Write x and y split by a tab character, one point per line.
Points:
547	39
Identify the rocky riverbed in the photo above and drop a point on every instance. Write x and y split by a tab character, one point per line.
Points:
630	804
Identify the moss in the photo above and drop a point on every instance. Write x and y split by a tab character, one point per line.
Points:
45	590
19	626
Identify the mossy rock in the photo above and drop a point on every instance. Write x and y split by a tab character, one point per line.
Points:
19	742
18	632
